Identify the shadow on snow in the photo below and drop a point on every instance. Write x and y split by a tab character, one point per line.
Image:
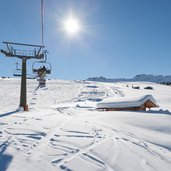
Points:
8	113
5	159
167	112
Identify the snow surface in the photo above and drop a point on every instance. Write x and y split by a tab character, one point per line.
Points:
119	102
64	131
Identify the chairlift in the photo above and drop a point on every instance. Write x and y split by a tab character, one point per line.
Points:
18	71
37	65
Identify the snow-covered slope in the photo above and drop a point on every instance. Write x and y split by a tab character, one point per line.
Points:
64	131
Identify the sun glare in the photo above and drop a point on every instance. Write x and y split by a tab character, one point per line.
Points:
72	26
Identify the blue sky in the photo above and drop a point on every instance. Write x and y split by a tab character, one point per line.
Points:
120	38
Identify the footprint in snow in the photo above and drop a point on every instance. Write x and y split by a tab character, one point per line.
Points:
125	139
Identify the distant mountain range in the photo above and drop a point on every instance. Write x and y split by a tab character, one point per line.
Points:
141	77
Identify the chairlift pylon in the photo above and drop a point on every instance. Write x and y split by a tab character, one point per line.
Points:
24	55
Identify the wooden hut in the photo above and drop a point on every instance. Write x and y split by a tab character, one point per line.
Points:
128	103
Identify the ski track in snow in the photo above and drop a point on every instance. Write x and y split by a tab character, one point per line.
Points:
74	141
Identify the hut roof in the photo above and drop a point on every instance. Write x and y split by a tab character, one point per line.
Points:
126	102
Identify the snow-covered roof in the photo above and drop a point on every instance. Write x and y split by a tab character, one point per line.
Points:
124	102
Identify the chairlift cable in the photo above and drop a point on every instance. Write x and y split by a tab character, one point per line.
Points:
42	21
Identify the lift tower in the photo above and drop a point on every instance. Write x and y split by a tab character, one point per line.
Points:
30	52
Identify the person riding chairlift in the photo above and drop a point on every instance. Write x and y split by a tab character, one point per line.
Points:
41	75
42	72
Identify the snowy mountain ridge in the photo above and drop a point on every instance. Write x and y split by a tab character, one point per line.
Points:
141	77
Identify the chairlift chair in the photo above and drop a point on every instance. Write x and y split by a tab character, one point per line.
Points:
18	71
40	64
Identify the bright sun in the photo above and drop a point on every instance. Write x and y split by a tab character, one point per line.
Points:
72	26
